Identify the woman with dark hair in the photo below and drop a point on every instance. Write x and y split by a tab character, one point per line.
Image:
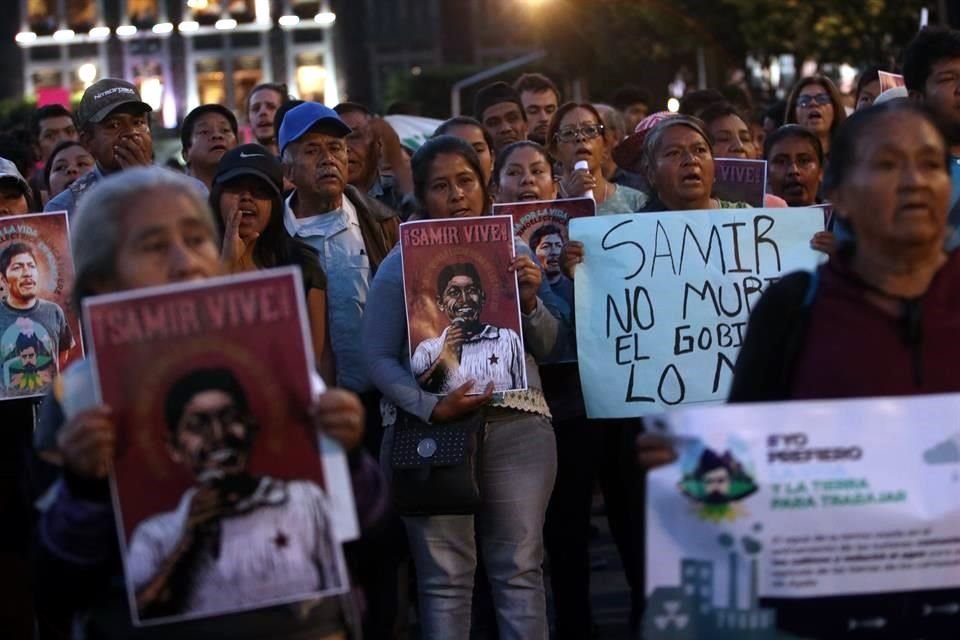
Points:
814	103
879	319
68	161
868	88
524	171
246	198
475	134
517	451
576	133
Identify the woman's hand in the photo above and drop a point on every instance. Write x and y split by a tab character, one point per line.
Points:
458	403
529	277
88	442
570	256
824	241
340	415
577	183
237	251
654	450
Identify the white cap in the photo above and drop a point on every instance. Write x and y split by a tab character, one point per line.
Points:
893	93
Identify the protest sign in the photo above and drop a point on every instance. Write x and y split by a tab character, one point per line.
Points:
39	331
662	299
463	305
827	209
890	80
221	498
786	501
737	180
545	226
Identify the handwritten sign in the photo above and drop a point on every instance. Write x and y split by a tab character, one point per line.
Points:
890	80
786	501
737	180
662	300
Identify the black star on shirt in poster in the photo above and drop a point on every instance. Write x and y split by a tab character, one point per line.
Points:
494	359
280	540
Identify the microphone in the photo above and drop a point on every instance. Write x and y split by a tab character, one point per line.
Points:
581	165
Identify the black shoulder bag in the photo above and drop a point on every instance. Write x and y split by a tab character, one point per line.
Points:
436	467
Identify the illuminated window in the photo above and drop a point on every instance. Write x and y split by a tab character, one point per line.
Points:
47	78
210	86
311	76
148	78
205	11
42	16
142	13
247	73
241	10
81	14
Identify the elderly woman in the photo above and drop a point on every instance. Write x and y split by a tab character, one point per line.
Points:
814	103
879	319
576	133
140	228
517	451
678	162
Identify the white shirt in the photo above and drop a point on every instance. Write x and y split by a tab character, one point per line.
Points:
281	550
495	354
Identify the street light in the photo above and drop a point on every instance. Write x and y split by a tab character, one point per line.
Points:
100	33
126	31
26	37
63	35
162	28
87	73
288	21
225	24
189	26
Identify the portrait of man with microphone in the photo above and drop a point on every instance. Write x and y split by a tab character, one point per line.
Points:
468	349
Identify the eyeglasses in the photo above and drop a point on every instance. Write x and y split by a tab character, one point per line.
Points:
821	99
587	132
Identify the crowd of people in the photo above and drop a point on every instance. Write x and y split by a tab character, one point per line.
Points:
325	189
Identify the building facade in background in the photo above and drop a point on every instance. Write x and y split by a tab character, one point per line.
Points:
180	53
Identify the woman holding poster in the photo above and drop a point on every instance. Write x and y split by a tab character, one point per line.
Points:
879	319
518	454
141	228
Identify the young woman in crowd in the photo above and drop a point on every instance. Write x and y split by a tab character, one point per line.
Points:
731	138
814	103
518	452
473	133
139	228
868	88
247	202
879	319
69	161
524	171
576	133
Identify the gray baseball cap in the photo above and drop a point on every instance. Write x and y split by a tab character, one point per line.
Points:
10	173
104	96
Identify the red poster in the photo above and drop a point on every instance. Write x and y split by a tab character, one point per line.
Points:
463	306
39	331
218	482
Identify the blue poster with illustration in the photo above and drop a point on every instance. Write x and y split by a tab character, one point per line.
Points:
785	501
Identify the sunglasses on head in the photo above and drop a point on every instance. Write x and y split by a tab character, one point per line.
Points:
822	99
587	132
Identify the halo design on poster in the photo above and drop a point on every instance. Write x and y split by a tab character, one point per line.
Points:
219	488
39	331
463	305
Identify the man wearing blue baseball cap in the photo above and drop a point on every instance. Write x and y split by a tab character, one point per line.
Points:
351	231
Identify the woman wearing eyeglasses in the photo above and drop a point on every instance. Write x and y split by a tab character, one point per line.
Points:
814	103
576	133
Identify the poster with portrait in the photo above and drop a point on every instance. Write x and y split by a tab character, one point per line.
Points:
889	80
463	305
39	331
738	180
223	500
544	225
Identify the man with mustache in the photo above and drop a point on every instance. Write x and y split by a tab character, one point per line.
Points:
24	312
351	232
208	132
540	98
468	349
235	540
